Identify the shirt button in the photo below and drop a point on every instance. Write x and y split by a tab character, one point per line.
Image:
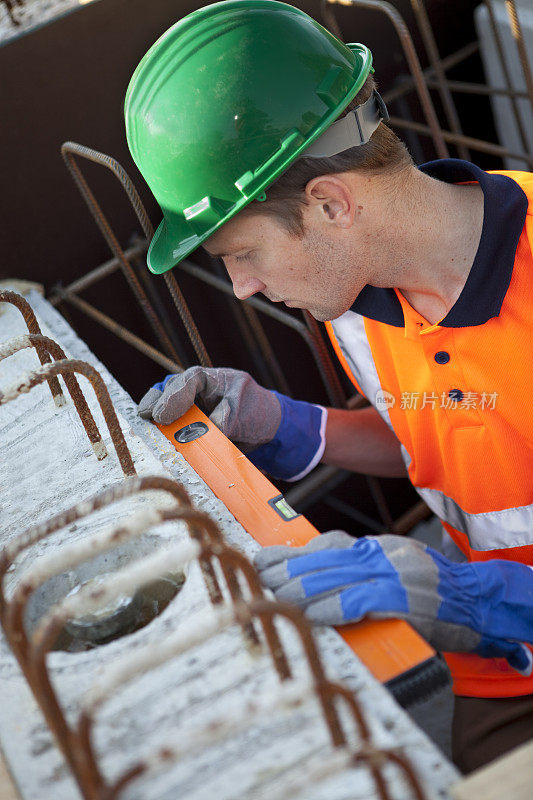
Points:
455	394
442	357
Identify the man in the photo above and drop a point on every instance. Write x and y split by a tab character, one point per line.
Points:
263	138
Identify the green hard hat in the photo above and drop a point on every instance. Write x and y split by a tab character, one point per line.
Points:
223	103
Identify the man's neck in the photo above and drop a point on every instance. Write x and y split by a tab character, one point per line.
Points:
437	229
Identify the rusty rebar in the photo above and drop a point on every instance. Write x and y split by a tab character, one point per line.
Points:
408	83
126	488
30	319
84	412
69	150
33	659
200	524
414	64
77	744
96	274
219	729
252	318
474	144
172	285
380	756
237	561
215	547
10	5
187	319
337	690
152	285
479	89
221	619
137	771
148	230
328	368
230	561
72	556
518	36
417	513
294	615
82	759
378	496
33	379
119	330
196	521
406	766
506	73
435	60
242	613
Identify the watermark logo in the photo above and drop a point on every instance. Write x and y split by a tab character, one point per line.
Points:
416	401
384	400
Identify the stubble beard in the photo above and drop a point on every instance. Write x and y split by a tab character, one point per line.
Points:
329	273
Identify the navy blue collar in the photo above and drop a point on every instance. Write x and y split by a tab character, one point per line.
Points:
505	207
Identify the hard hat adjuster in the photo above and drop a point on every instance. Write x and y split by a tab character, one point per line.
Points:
352	130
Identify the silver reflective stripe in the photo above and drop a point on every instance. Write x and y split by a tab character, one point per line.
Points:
351	336
488	530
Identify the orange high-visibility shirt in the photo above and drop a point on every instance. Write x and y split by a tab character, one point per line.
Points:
458	394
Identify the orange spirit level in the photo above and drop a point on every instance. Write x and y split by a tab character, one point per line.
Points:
392	650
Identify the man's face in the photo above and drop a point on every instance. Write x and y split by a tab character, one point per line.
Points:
315	272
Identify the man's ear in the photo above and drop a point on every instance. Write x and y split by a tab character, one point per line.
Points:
332	199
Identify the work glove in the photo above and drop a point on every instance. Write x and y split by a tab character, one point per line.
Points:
484	607
284	437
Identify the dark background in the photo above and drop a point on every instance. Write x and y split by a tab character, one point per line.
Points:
66	81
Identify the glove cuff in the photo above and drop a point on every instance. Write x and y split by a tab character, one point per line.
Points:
298	444
161	385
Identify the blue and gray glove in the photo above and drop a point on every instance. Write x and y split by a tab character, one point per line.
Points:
284	437
484	607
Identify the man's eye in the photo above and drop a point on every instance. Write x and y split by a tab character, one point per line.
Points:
243	257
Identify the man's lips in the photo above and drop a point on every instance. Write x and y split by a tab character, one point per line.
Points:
275	299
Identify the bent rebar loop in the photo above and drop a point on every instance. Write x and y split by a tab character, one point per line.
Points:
196	631
200	630
77	744
46	345
33	660
30	319
32	379
122	490
69	150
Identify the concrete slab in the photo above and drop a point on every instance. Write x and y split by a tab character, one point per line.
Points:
47	466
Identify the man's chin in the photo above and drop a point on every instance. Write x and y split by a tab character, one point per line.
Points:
324	316
320	314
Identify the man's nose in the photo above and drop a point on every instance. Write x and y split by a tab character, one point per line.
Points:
245	285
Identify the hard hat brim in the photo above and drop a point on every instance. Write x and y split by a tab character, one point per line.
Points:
168	247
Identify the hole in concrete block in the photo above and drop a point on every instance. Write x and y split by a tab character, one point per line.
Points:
123	616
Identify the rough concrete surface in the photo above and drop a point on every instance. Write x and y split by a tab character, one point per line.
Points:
30	13
48	465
